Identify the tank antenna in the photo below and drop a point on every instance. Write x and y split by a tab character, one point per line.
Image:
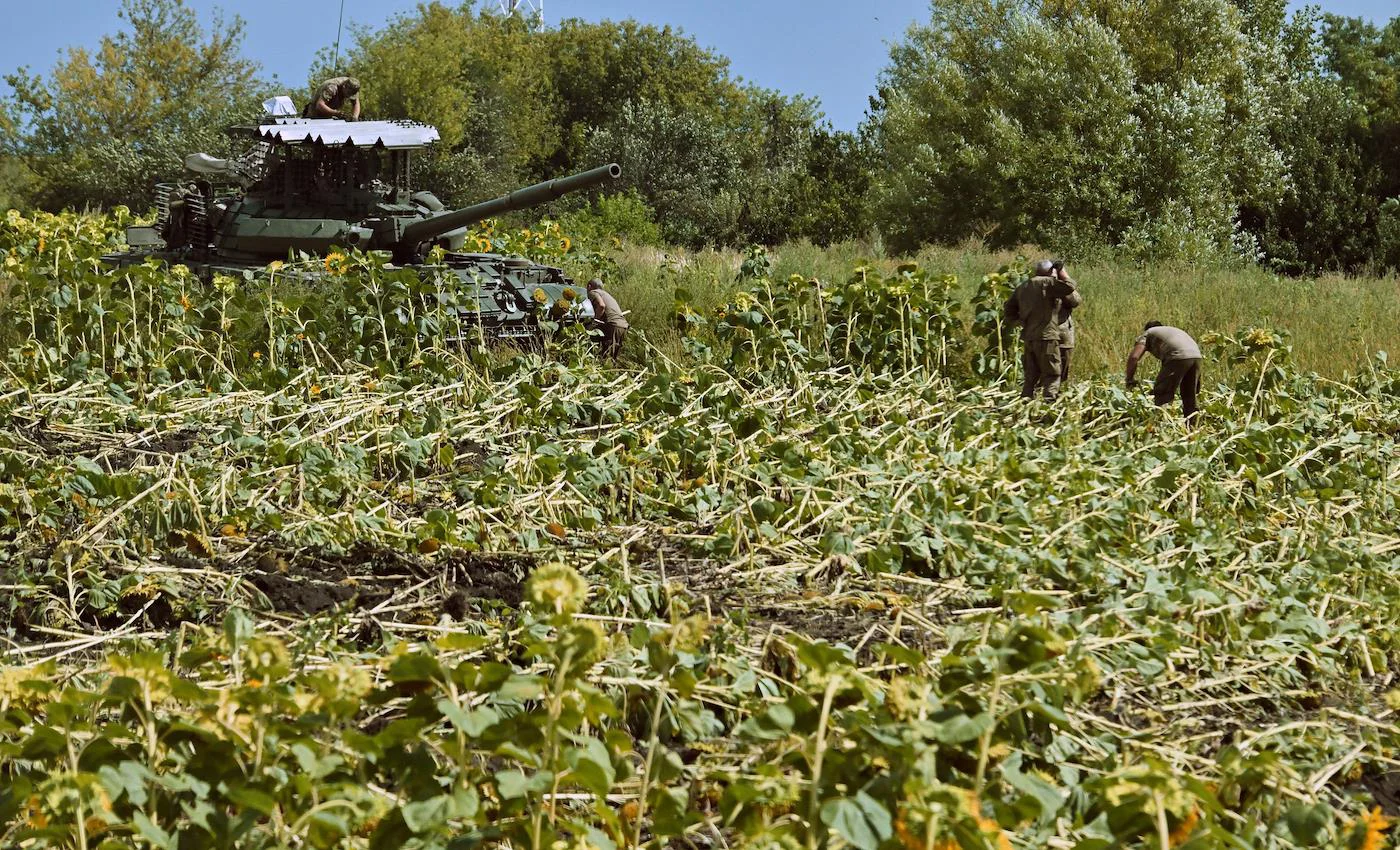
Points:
335	62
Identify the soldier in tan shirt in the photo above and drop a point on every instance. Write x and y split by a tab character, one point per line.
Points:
1181	365
608	317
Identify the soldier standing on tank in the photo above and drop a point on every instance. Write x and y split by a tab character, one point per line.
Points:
331	97
609	317
1035	306
1181	365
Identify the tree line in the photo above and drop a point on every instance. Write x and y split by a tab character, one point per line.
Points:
1196	130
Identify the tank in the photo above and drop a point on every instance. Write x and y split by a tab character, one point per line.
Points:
312	185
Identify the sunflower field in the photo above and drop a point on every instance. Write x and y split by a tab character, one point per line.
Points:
283	566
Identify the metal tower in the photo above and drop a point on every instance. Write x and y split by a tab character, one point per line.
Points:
531	10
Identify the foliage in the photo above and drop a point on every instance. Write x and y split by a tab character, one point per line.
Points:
600	67
999	347
972	147
813	585
102	125
716	162
904	322
1201	131
620	216
687	169
473	75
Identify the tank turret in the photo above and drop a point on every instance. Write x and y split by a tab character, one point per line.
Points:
312	185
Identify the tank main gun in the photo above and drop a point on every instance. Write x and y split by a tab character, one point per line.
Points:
423	230
293	188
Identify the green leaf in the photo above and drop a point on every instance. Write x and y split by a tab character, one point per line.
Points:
861	820
459	642
416	667
252	798
1048	798
1306	822
129	777
424	815
472	723
327	828
151	832
591	766
511	784
312	765
960	728
519	687
822	657
238	628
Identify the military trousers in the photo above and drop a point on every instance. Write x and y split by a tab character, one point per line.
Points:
1179	376
1040	361
612	341
1065	355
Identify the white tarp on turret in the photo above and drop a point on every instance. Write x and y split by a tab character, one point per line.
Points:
360	134
280	105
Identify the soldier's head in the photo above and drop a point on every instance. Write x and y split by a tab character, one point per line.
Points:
352	86
595	283
1150	325
1042	268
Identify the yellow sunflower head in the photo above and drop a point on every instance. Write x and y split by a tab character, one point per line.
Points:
336	263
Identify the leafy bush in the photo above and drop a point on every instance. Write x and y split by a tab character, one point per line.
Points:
620	216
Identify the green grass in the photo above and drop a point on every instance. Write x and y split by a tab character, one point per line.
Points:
1336	324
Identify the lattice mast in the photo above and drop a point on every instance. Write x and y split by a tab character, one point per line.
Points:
531	10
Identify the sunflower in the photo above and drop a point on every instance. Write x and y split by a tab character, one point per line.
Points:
1366	831
539	296
1184	829
336	263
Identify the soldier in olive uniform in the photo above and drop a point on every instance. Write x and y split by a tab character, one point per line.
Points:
1181	365
1066	326
331	97
1036	306
609	317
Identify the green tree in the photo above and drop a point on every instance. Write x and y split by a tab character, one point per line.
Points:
1364	61
832	199
598	68
1074	123
473	74
102	125
1327	218
687	169
997	124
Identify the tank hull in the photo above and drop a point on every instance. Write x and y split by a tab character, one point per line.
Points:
499	298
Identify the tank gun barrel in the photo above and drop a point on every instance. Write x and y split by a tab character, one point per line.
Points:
540	193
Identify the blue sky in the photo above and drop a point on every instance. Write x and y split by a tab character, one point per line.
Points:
824	48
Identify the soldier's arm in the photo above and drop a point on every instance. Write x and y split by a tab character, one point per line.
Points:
1073	299
355	116
1012	310
323	107
1133	357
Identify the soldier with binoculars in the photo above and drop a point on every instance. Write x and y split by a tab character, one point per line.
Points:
1041	307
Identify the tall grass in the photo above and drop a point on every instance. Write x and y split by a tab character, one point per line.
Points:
1336	323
